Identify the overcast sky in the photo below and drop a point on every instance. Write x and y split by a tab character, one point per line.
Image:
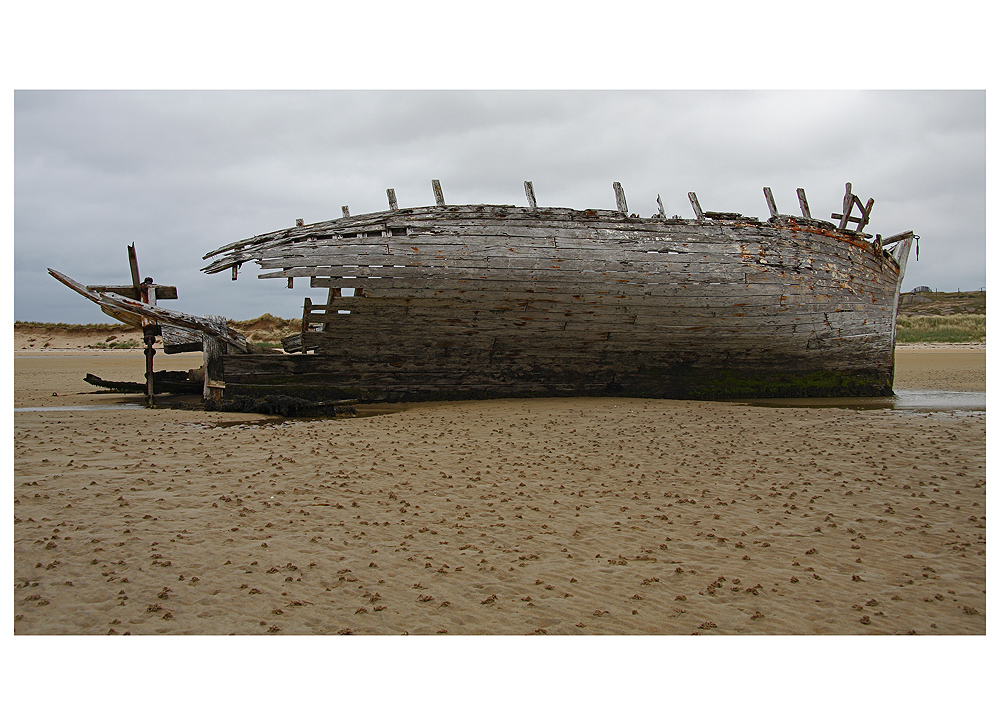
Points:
181	173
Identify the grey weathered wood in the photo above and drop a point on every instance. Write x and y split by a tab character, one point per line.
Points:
133	264
162	314
179	339
162	291
772	208
866	214
503	299
292	343
659	205
897	237
848	203
620	198
333	295
391	193
431	217
529	191
803	203
345	211
438	193
307	307
214	351
693	198
300	222
864	211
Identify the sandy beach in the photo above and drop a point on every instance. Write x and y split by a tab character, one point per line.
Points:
549	516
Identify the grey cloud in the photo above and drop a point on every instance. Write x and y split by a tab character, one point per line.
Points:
181	173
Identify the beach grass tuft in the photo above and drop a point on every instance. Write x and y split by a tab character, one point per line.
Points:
941	328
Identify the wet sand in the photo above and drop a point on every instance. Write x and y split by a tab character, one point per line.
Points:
551	516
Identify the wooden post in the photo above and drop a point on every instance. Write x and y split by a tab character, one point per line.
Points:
149	327
529	191
133	265
214	349
346	212
772	208
236	271
866	214
659	203
803	204
620	198
692	197
848	204
331	297
438	194
306	309
147	294
391	193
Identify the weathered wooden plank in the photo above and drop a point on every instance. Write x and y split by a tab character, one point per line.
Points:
848	203
181	319
214	355
866	214
438	257
803	203
396	254
668	298
553	215
772	208
438	193
133	265
620	198
518	324
391	193
753	314
693	198
180	339
432	366
897	237
530	223
686	295
449	347
555	365
758	315
487	277
162	291
316	254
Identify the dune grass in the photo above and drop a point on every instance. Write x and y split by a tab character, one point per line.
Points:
68	327
941	328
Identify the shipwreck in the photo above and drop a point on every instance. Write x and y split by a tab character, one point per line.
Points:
486	301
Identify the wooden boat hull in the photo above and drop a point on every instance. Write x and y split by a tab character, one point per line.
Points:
498	301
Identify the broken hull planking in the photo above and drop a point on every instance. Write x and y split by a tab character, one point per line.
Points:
470	302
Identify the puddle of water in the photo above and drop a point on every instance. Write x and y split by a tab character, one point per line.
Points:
263	422
63	408
909	401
